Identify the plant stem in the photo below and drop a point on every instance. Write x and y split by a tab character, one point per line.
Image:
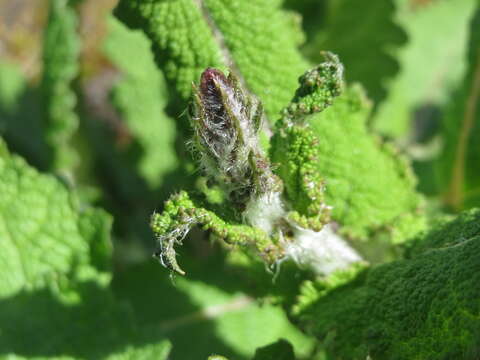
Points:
455	195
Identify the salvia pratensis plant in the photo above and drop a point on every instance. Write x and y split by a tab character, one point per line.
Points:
327	150
226	120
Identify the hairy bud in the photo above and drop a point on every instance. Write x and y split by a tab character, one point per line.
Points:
226	120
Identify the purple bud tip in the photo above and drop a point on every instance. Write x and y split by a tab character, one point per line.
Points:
210	77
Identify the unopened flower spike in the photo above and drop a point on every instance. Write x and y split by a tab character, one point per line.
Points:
226	120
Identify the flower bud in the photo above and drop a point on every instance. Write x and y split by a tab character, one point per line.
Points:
226	120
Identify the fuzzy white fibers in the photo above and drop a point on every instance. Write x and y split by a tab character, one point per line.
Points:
323	252
265	211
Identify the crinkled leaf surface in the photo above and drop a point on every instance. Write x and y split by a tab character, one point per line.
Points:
368	184
42	230
424	307
54	257
140	96
255	39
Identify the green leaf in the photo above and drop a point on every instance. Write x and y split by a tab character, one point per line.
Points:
43	231
369	185
61	50
458	164
431	63
54	262
466	225
182	213
295	149
351	160
207	312
254	39
140	96
365	36
73	320
424	307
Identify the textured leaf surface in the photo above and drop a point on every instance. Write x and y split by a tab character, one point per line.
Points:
369	186
42	229
294	146
61	50
425	307
364	35
295	150
140	96
255	39
205	313
54	257
181	214
431	63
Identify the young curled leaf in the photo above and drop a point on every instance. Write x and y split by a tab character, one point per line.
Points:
318	88
181	213
295	150
295	147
